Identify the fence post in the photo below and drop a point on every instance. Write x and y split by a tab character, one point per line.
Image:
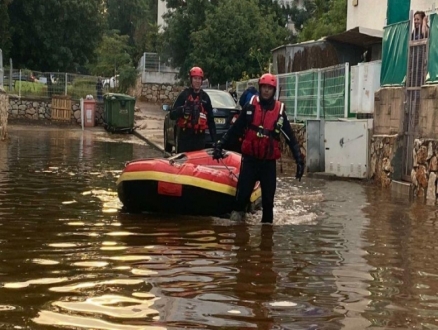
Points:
347	89
19	84
318	96
159	63
144	62
10	74
66	78
296	97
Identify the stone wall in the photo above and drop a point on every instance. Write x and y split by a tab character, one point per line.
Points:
160	93
300	134
425	168
41	109
386	152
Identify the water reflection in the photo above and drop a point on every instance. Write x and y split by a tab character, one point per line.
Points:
340	255
403	286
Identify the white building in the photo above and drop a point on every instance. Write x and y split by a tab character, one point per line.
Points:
290	3
371	14
162	9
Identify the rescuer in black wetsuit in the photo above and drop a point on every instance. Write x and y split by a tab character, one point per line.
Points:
194	114
262	120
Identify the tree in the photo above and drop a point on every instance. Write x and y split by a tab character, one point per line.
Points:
325	22
238	38
300	15
225	37
136	19
185	18
111	55
5	37
55	34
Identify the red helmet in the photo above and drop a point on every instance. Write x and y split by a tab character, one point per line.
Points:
196	71
268	79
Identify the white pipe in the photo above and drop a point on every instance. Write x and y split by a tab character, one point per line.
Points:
347	88
82	112
19	85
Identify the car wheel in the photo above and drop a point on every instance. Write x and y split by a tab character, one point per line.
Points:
167	145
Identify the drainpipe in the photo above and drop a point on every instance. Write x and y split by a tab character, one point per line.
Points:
82	112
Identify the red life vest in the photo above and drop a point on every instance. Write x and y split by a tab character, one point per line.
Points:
197	121
261	138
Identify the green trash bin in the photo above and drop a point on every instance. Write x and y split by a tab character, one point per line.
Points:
118	112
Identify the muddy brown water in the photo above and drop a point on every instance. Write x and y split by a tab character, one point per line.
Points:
341	255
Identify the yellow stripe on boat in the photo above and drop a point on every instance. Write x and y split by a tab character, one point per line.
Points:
184	180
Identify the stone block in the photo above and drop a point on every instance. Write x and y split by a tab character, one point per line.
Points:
431	187
433	164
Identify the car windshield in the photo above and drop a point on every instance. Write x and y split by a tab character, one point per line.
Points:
220	99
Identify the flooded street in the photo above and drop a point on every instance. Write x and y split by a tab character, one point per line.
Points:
340	255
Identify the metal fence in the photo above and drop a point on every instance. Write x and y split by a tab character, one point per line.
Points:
152	62
312	94
35	84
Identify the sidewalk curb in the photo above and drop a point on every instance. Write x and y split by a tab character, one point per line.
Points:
152	144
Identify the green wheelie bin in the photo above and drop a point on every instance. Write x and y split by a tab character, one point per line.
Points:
119	112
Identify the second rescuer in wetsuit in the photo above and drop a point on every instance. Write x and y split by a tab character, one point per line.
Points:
194	114
262	121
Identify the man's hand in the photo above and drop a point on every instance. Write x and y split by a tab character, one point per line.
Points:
218	151
300	170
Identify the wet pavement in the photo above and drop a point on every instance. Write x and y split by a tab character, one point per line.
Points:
340	255
149	120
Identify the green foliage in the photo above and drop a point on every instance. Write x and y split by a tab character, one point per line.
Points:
185	19
325	21
301	15
30	88
238	38
84	82
127	78
5	37
137	20
112	53
52	35
224	37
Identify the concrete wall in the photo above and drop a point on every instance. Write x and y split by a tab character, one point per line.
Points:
368	13
388	111
428	114
372	13
38	109
159	77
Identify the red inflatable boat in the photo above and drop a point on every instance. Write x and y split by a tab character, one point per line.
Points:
187	183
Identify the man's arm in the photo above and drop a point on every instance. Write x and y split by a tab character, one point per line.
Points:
177	111
291	139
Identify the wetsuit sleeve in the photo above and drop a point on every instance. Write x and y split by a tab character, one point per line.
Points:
237	129
177	111
210	117
291	139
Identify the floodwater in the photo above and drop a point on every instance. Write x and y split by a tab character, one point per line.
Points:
340	255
